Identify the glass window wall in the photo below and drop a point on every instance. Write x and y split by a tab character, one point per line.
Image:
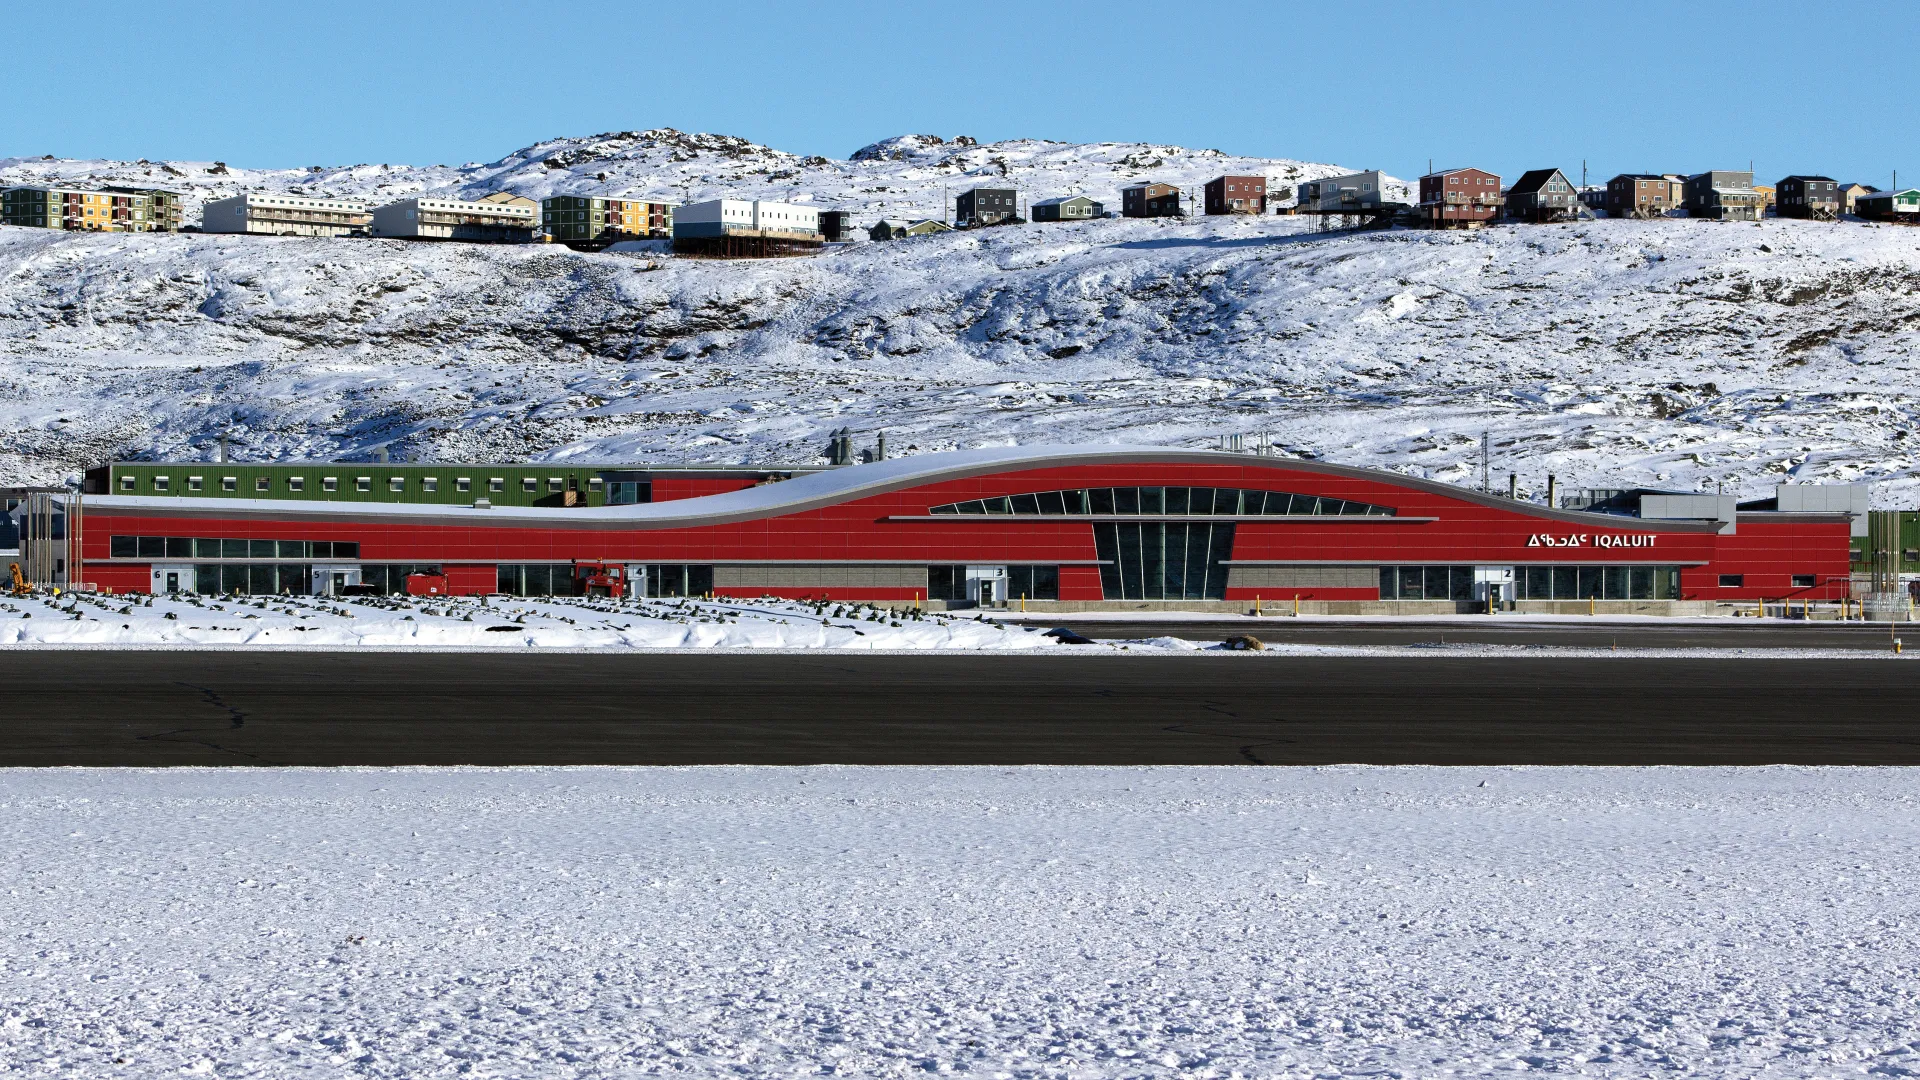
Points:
1597	582
1159	501
200	547
1163	560
253	579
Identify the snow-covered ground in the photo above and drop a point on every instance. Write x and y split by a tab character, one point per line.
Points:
1673	353
102	621
994	922
397	622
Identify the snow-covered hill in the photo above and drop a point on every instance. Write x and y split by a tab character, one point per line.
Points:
1680	353
903	177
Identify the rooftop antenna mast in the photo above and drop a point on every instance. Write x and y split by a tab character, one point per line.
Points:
1486	463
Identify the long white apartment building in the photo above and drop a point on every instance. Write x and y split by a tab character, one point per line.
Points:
747	217
423	218
286	215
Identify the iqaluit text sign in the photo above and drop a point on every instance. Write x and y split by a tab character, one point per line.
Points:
1592	540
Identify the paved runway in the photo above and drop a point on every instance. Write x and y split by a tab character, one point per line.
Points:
1508	630
236	708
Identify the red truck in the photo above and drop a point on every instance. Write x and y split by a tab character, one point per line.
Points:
601	579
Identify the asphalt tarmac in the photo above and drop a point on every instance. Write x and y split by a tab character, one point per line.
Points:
1508	630
294	708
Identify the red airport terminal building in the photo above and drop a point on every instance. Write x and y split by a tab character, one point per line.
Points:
1064	528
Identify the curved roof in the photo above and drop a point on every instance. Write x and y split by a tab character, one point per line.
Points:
814	490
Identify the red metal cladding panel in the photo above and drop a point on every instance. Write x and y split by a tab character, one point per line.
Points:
469	579
1767	556
119	577
827	593
671	488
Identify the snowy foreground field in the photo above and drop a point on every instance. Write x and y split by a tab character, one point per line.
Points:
996	922
398	622
549	624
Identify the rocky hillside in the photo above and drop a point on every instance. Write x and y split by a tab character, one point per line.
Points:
1677	353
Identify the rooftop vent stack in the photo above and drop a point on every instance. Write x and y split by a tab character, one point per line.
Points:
840	447
221	453
1553	492
880	448
380	455
1513	486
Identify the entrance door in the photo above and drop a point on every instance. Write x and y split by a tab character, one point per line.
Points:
989	592
173	581
339	584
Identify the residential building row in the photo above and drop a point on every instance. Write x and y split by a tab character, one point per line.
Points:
1468	198
110	209
983	206
1448	198
501	217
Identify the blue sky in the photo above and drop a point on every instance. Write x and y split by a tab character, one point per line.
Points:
1672	86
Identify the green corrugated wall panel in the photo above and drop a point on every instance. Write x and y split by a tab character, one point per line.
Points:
346	475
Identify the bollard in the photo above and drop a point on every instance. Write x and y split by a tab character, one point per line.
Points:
1256	605
1023	603
1589	605
1296	605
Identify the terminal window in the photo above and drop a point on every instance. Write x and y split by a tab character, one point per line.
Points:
1597	583
1535	583
1159	560
1165	501
200	547
673	579
628	492
1732	581
1804	581
1426	583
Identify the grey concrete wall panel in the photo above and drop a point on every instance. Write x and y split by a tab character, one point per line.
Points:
1303	577
824	576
